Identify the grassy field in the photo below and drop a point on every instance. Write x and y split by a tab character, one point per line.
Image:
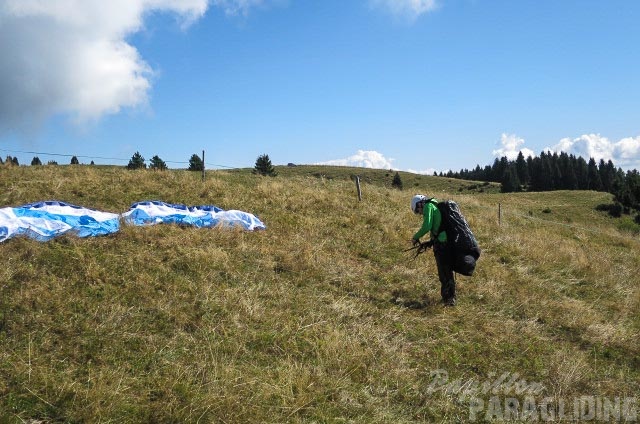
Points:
320	318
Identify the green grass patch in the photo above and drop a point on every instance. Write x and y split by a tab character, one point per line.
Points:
320	318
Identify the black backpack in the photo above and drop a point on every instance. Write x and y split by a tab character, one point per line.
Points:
460	237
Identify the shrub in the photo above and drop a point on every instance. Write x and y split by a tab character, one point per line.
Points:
195	163
613	209
157	163
264	167
136	162
397	181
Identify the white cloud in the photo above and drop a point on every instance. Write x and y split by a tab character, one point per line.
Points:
627	151
623	153
72	57
511	147
428	171
363	159
237	7
408	9
587	146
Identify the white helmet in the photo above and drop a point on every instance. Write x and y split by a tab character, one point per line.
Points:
415	200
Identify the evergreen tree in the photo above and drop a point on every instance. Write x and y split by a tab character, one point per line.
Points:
546	172
593	176
397	181
633	184
529	169
15	161
504	165
510	181
495	171
626	190
36	161
618	182
568	179
1	161
157	163
582	172
195	163
607	173
522	169
499	168
75	161
556	172
477	174
263	166
486	173
136	162
52	162
539	175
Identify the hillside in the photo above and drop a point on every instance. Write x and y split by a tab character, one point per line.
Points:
320	318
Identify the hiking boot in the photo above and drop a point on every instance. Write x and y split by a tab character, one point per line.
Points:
448	289
449	302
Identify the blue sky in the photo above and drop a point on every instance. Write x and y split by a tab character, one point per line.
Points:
413	85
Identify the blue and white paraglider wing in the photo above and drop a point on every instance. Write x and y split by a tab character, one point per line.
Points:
156	212
45	220
244	219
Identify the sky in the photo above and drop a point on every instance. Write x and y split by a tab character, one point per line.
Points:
413	85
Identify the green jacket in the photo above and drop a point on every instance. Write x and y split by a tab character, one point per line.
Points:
431	222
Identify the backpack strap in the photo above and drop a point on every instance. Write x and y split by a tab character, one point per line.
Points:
443	224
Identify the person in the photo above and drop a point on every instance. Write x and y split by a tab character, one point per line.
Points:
442	251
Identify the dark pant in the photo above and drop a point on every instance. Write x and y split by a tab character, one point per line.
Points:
444	260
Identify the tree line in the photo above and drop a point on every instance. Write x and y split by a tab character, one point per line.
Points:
546	172
263	164
35	161
137	161
552	171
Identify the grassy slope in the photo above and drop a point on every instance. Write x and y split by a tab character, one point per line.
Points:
297	323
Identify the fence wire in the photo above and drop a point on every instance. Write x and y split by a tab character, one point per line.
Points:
107	158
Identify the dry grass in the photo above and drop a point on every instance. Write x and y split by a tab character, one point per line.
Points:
297	323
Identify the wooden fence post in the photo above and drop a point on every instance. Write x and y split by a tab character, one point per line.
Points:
358	188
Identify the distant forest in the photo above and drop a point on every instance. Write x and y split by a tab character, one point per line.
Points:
553	171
